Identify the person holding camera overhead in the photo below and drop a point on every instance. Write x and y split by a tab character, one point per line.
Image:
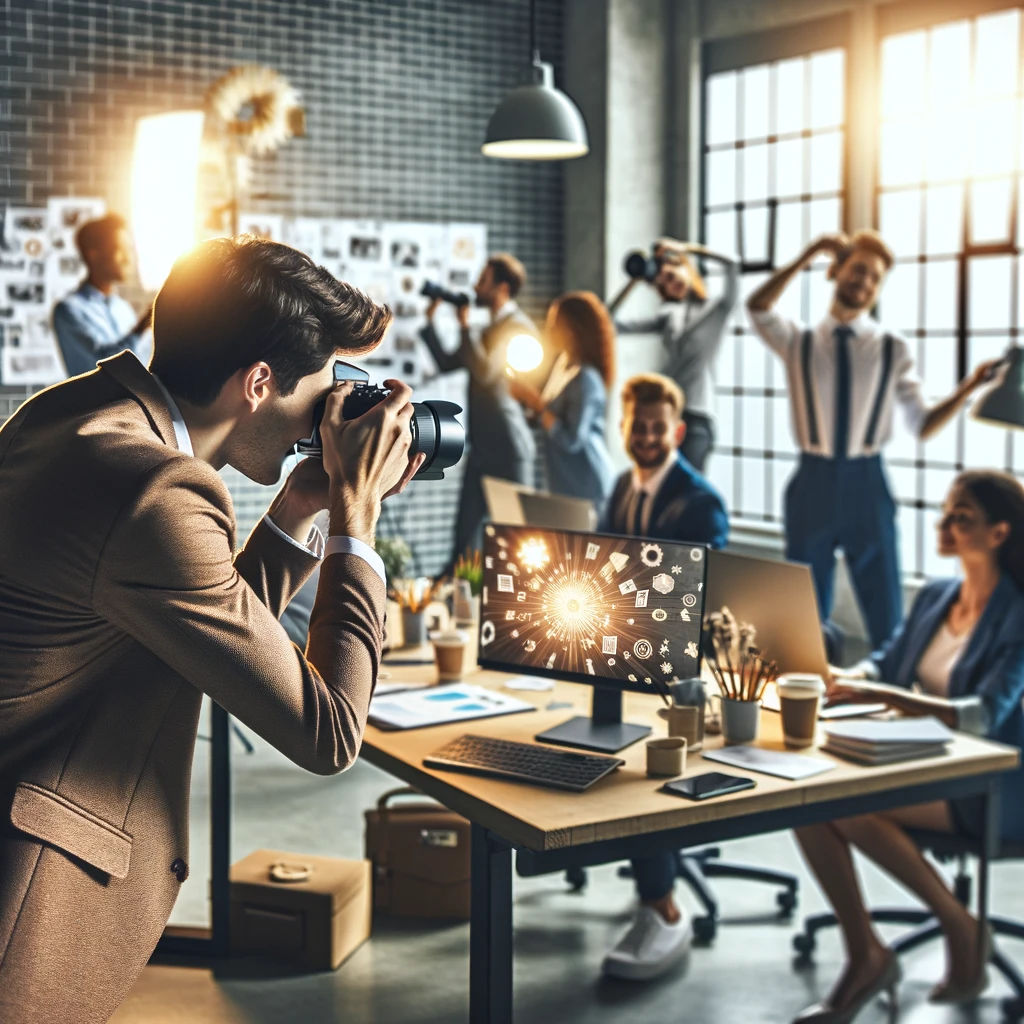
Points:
499	439
571	406
123	601
692	327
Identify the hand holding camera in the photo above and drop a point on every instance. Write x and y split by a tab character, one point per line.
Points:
366	458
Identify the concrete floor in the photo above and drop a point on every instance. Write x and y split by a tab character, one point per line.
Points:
412	973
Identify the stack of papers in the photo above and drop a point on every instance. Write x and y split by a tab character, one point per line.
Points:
439	705
875	742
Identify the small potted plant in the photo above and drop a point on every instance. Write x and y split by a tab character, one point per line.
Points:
469	582
396	556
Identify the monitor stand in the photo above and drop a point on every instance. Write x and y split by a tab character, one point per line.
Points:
604	731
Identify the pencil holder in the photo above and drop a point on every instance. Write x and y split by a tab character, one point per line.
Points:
686	722
741	720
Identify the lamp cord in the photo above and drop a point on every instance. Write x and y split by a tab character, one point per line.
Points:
534	52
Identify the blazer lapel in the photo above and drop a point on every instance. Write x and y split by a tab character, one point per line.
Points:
981	638
928	625
670	496
126	369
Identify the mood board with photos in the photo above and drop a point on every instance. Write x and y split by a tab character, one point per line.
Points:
39	265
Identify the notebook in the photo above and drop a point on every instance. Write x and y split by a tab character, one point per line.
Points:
770	762
878	742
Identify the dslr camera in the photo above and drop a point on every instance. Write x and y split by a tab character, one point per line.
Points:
640	266
432	290
435	430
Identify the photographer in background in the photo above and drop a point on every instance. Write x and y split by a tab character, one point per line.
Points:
499	439
123	601
691	326
94	322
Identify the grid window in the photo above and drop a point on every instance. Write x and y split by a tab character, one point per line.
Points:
773	179
950	177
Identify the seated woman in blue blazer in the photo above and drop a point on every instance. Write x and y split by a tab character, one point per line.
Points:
960	657
571	408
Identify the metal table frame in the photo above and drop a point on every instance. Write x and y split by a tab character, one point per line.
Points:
490	946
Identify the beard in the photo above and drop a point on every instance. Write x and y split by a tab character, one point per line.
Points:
650	459
848	297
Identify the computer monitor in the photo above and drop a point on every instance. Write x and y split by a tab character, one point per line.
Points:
619	613
502	498
557	512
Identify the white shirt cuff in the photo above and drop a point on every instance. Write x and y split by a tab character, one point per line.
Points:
314	542
338	545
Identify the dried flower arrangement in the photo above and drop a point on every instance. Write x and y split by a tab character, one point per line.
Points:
740	668
415	595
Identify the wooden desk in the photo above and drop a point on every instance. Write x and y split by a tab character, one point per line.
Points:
624	815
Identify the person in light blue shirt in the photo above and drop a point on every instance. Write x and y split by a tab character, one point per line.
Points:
94	322
571	406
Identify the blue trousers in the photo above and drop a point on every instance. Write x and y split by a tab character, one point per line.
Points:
654	876
846	503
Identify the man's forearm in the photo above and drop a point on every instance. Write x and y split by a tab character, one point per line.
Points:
942	412
761	300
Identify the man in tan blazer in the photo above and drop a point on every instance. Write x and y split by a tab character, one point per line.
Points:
123	601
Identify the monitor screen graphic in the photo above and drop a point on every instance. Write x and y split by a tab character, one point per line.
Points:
591	607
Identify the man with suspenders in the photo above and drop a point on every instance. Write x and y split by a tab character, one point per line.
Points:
845	376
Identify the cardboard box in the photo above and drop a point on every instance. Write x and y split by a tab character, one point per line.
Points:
316	923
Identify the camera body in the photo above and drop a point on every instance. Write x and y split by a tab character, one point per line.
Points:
432	290
435	430
642	267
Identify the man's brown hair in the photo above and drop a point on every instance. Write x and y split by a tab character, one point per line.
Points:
506	269
98	233
646	388
870	241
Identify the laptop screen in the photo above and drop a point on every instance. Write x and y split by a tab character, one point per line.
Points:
590	607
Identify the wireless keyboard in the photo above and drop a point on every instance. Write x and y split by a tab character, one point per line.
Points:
523	762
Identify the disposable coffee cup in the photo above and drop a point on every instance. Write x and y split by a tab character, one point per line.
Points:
799	701
449	653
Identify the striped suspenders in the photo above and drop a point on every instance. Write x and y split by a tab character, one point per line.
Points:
806	346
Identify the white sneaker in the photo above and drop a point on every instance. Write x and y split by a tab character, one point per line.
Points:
650	947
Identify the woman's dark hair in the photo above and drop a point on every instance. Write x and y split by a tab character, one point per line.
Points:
232	302
1001	497
584	317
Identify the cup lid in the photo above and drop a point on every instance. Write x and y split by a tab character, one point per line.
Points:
801	681
449	636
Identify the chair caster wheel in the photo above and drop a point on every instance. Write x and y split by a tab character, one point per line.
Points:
786	901
1013	1009
704	929
804	944
577	878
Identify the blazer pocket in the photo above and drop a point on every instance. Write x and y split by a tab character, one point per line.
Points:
56	820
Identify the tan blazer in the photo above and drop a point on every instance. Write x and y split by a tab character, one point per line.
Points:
122	601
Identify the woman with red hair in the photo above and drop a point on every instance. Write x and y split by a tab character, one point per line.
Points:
571	407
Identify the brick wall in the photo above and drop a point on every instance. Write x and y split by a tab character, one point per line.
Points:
397	95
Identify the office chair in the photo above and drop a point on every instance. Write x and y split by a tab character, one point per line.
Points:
944	847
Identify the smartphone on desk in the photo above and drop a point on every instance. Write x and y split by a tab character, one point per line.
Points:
703	787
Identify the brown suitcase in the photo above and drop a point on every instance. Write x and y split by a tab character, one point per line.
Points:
421	858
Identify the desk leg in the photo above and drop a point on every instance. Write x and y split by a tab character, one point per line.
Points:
989	849
490	930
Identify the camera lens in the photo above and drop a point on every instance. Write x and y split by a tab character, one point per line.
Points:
437	433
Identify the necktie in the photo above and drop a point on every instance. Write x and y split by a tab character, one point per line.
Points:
842	335
638	515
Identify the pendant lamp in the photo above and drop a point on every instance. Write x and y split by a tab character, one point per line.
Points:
1003	404
536	121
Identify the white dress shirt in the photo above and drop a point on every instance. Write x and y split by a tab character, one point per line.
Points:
649	487
867	367
315	544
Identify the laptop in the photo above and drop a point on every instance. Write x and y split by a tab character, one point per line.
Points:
778	599
521	505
